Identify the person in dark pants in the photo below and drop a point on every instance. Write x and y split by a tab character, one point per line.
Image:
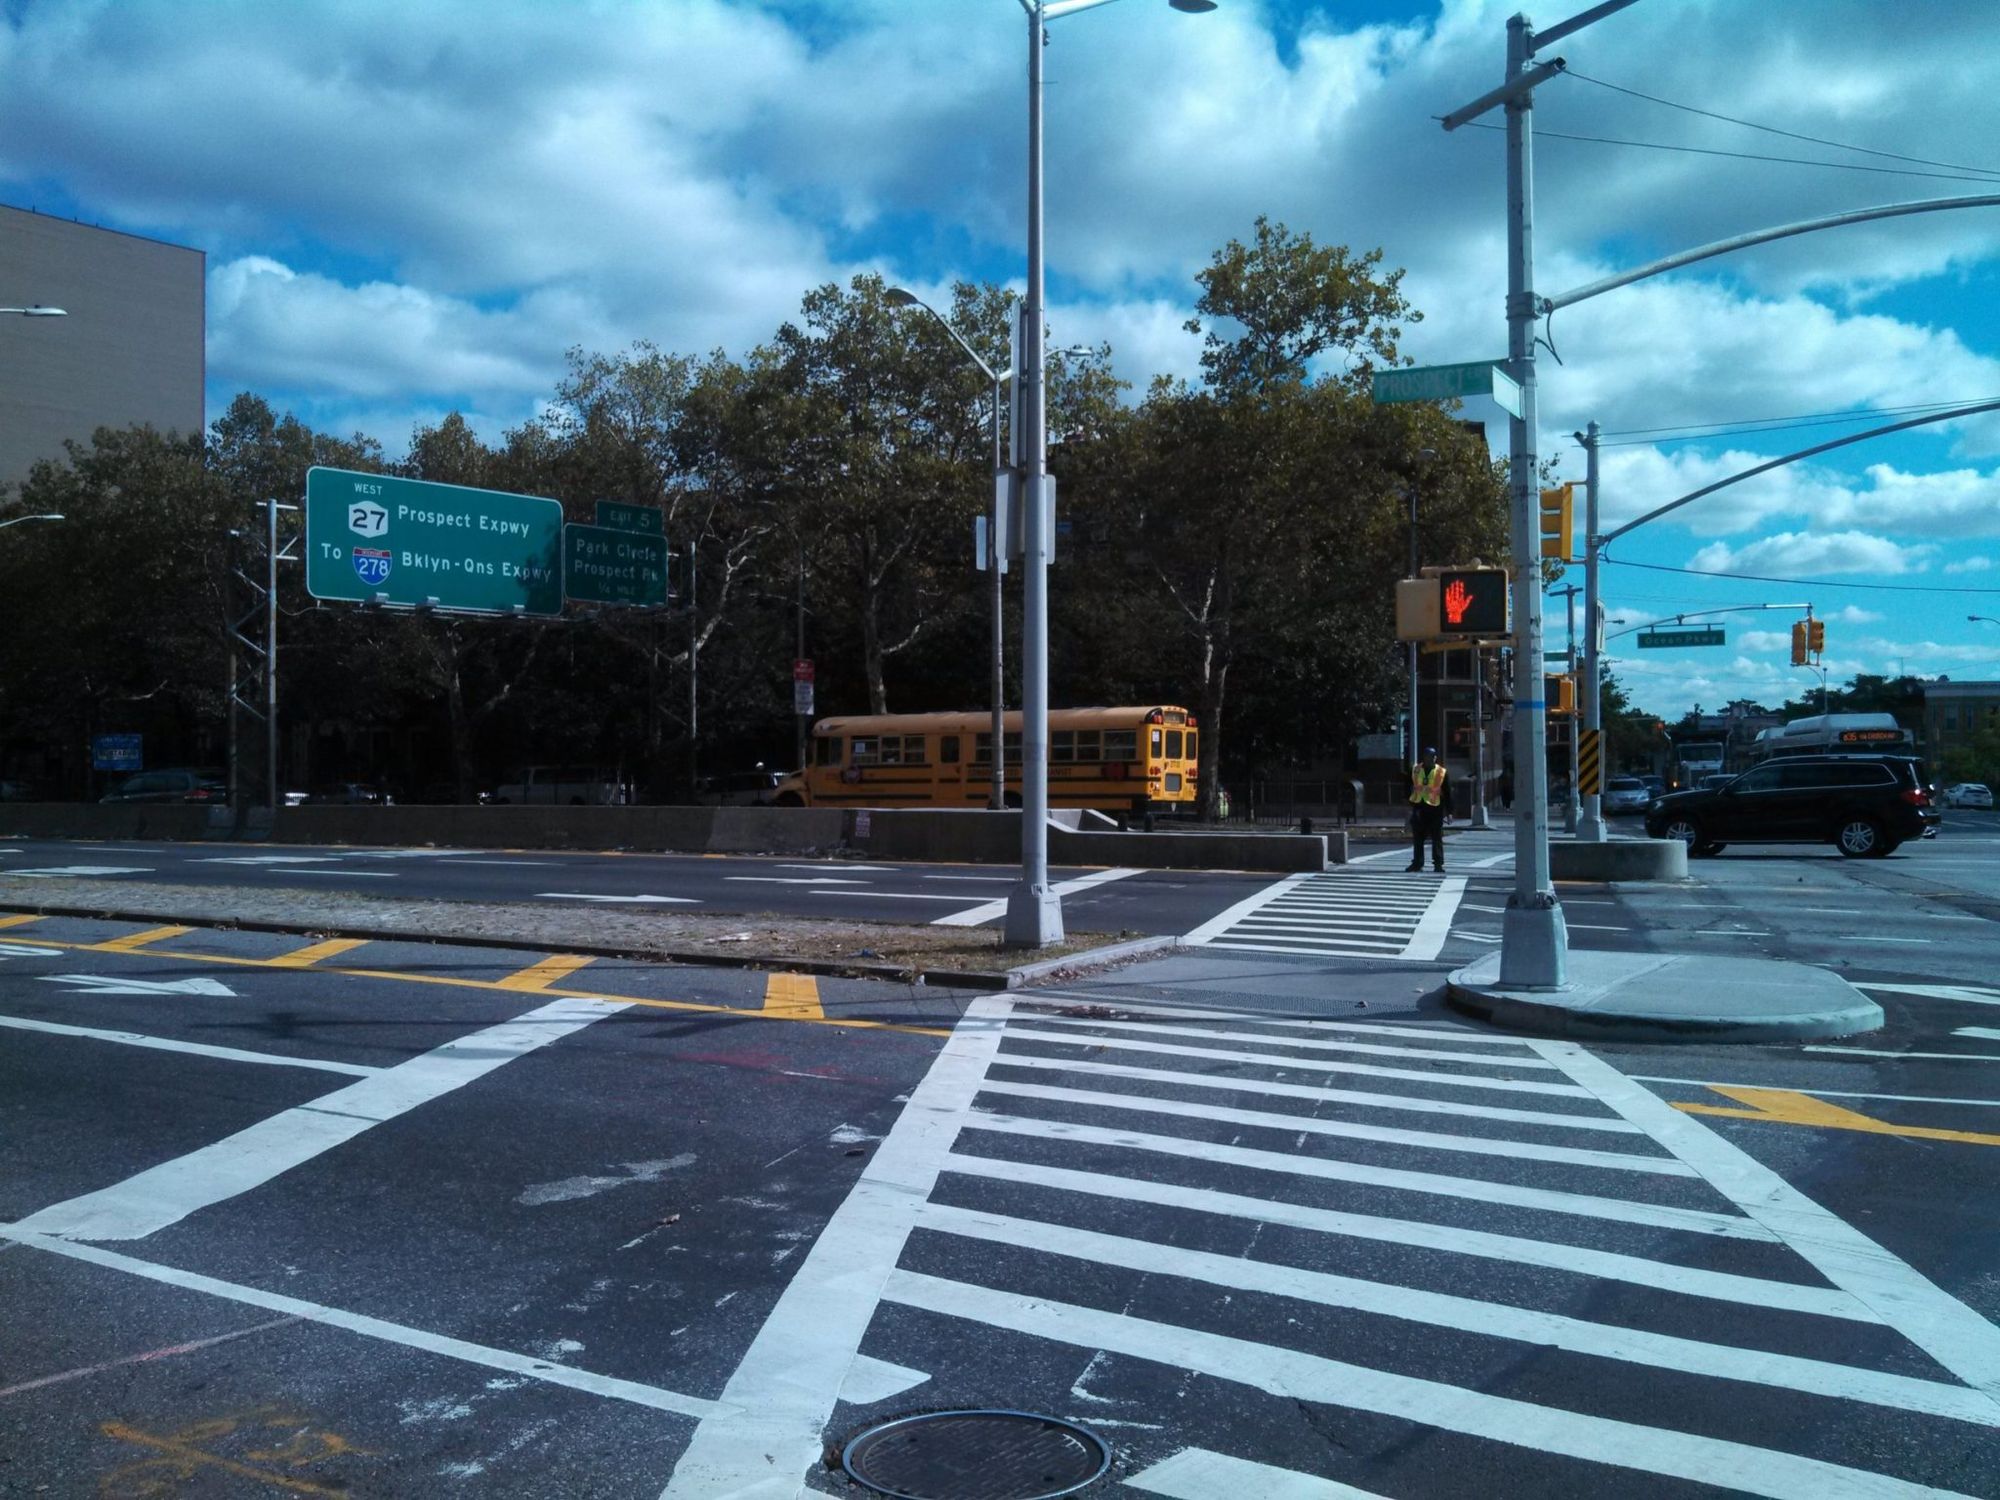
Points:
1428	790
1507	789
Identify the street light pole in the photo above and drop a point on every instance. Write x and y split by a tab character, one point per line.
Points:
996	547
1034	910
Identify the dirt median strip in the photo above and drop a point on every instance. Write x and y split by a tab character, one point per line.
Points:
967	956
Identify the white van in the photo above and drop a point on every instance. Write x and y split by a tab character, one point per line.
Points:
565	786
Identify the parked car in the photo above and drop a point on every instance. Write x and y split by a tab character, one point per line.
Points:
1626	794
172	785
1657	785
1969	794
1863	805
349	794
758	788
570	786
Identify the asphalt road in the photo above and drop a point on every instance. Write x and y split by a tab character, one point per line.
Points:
1144	901
280	1215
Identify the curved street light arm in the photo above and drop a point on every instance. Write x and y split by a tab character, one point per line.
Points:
1609	537
1761	237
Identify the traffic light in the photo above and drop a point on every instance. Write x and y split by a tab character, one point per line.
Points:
1558	522
1472	601
1816	636
1559	696
1798	643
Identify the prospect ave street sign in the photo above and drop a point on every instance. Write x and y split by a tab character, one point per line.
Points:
1448	383
411	543
610	565
1706	637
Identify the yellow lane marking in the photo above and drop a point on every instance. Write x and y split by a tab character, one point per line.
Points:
312	953
136	940
794	997
18	921
1785	1107
539	976
492	984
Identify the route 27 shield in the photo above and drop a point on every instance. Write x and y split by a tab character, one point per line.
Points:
371	564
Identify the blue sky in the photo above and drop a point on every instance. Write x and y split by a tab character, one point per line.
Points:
410	209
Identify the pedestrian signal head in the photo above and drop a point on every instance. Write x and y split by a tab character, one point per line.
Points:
1473	601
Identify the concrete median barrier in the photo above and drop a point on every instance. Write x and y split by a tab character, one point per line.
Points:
1618	859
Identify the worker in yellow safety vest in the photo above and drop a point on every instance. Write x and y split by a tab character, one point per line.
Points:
1429	787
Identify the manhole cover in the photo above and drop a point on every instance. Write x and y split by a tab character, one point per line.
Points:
976	1455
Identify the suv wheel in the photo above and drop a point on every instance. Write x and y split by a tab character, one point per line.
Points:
1860	838
1686	829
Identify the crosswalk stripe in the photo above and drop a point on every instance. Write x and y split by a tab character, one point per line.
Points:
1477	1189
1500	1320
1348	913
1201	1474
1371	1049
1043	998
1513	1249
1293	1375
1307	1064
1430	1140
1235	1085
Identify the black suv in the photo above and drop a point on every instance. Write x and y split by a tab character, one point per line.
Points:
1863	805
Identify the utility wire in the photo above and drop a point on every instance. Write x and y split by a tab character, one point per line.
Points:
1854	412
1816	583
1794	161
1922	161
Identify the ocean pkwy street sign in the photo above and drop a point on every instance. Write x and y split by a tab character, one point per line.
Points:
611	565
1448	383
1709	636
407	542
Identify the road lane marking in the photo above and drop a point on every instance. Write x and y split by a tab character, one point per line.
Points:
768	1431
1787	1107
1297	1376
1223	920
1970	994
312	953
1199	1474
197	1049
792	997
1437	1184
1928	1316
165	1194
1555	1255
1204	1033
348	874
974	916
1499	1320
107	984
147	1357
545	972
1984	1033
1035	1003
1230	1083
1477	1145
793	880
76	872
617	900
1710	1083
652	1397
1922	1056
133	941
19	919
891	896
842	864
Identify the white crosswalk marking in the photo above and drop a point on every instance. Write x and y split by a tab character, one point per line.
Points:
1349	913
1037	1197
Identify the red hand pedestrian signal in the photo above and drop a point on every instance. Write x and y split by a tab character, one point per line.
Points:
1457	599
1473	601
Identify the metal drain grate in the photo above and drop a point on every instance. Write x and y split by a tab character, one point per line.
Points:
976	1455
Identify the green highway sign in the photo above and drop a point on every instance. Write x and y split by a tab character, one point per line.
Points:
646	518
376	538
1703	637
610	565
1448	383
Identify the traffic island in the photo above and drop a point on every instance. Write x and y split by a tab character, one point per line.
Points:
1667	997
1618	859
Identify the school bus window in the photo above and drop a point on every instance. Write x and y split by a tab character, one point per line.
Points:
1192	736
948	749
983	748
1062	745
1121	744
864	751
1156	745
1173	744
1086	744
826	751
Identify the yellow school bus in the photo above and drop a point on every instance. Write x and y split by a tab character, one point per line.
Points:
1113	759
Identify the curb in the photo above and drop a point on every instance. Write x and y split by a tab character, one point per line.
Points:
965	979
1553	1017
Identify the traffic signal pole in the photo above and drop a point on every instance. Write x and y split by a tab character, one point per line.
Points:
1590	819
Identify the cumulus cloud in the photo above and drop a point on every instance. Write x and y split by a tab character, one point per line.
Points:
1811	552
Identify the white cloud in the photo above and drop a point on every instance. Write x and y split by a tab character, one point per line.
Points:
1969	565
1808	552
1853	614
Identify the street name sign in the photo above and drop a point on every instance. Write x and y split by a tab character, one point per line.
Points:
1448	383
117	752
1705	637
610	565
411	543
619	517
